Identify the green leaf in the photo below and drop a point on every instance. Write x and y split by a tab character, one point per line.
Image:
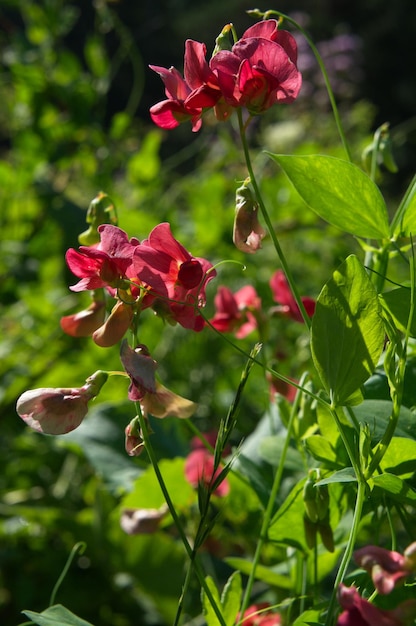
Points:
56	615
345	475
404	222
287	525
231	598
321	450
308	618
347	332
207	610
271	448
397	302
396	488
376	414
339	192
400	457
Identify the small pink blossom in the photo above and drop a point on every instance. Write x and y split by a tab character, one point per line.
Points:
199	468
287	303
236	312
260	615
58	411
360	612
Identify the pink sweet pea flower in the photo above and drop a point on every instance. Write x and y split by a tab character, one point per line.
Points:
259	615
360	612
58	411
386	567
104	264
175	277
199	468
234	312
186	97
84	323
260	69
287	303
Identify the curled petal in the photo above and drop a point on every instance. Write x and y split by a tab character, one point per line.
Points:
142	521
116	326
166	403
84	323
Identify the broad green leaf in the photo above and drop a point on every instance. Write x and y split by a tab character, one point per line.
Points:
339	192
271	449
345	475
309	618
207	609
404	222
400	457
56	615
397	302
287	524
347	331
263	573
376	414
231	598
321	450
396	488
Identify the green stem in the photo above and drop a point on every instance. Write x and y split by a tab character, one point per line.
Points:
270	505
175	517
269	224
348	550
78	547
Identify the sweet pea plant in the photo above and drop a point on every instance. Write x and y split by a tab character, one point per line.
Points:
341	433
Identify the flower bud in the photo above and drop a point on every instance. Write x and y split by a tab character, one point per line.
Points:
134	443
58	411
84	323
101	211
248	232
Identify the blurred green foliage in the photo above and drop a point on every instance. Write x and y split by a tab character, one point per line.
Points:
61	142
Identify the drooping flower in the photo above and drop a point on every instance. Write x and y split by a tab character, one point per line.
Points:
284	297
84	323
386	567
260	69
176	278
361	612
134	444
58	411
115	326
236	312
247	231
142	521
260	615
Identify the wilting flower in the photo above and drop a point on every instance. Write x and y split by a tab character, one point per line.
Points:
247	232
176	278
236	312
260	69
142	521
115	326
360	612
84	323
104	264
386	567
287	303
166	403
260	615
58	411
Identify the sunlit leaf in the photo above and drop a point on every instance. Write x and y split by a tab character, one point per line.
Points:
339	192
56	615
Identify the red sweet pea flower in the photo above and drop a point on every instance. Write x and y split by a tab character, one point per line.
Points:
104	264
260	69
259	615
176	278
234	312
84	323
282	294
199	468
187	97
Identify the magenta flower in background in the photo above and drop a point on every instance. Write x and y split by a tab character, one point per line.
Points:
234	311
360	612
174	276
287	303
199	465
260	69
259	615
58	411
386	567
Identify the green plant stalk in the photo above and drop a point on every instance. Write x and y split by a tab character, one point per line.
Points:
269	224
172	510
270	505
78	547
324	74
351	454
361	490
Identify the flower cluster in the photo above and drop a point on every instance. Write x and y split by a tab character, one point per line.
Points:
387	569
258	71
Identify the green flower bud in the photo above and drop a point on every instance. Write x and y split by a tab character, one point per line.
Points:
101	211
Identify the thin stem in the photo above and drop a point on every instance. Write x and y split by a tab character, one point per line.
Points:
78	547
269	224
270	504
348	550
172	510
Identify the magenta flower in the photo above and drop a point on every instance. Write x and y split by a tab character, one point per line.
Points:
360	612
199	468
260	615
386	567
236	313
186	97
260	69
58	411
176	278
287	303
104	264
